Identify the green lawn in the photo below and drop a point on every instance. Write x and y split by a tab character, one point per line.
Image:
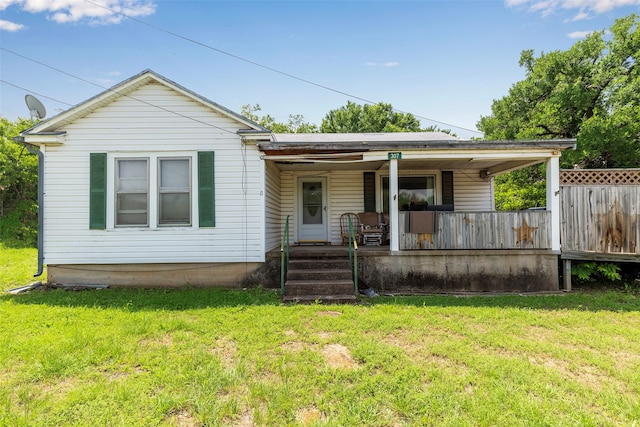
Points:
17	267
211	357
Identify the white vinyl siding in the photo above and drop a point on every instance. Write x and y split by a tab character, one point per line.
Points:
273	220
470	192
130	127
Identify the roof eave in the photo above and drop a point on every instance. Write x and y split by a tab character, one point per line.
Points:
554	145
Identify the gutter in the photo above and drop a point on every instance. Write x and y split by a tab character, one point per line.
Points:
32	149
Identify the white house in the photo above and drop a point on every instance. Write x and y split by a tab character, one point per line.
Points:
150	184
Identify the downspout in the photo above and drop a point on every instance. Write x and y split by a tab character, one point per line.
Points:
32	149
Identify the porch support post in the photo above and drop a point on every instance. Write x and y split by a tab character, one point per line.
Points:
393	206
553	200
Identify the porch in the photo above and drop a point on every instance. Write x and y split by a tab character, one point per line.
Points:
436	270
416	179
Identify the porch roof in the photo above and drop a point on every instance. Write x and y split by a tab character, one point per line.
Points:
419	150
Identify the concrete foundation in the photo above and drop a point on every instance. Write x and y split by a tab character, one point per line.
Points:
461	271
431	271
155	275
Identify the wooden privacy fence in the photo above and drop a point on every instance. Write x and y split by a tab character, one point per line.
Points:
600	213
482	230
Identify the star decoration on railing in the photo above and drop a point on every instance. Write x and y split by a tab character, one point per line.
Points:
524	232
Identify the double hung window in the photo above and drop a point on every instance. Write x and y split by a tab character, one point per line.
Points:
132	192
174	191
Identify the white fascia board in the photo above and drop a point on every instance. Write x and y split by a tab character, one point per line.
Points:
470	155
40	139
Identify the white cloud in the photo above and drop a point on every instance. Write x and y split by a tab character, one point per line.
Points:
93	11
579	34
384	64
10	26
547	7
579	17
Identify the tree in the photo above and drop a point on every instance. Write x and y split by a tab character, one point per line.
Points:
590	92
18	186
368	118
295	124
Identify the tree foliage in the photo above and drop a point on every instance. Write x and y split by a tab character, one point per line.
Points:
18	186
295	124
356	118
380	117
590	92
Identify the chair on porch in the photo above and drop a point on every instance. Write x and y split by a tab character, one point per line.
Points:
374	231
344	227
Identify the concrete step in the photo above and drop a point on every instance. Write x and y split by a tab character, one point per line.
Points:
317	264
318	287
324	299
326	274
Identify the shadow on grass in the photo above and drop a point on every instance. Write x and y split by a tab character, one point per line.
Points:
608	300
149	299
196	298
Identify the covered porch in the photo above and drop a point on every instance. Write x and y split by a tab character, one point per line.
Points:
409	179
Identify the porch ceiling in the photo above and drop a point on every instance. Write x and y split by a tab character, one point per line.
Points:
495	166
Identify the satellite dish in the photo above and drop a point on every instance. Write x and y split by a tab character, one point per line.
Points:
36	108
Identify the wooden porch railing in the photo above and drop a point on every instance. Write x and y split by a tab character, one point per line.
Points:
530	229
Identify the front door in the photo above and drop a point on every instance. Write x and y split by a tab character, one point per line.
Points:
312	210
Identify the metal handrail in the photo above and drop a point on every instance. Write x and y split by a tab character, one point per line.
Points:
284	255
353	255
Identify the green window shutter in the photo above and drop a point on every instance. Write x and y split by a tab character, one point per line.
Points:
206	189
98	191
447	187
369	190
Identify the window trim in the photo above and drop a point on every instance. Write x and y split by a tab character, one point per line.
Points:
153	195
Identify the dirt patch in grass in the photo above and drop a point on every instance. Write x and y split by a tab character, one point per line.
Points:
182	418
326	335
164	341
61	387
6	376
338	356
586	375
625	359
309	416
244	420
405	341
123	374
296	346
226	350
329	313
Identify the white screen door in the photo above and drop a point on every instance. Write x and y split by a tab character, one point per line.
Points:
312	210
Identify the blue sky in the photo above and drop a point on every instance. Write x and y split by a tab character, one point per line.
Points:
444	61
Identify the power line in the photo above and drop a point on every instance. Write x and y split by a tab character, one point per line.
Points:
36	93
114	91
275	70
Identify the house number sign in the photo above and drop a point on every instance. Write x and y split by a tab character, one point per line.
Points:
394	156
